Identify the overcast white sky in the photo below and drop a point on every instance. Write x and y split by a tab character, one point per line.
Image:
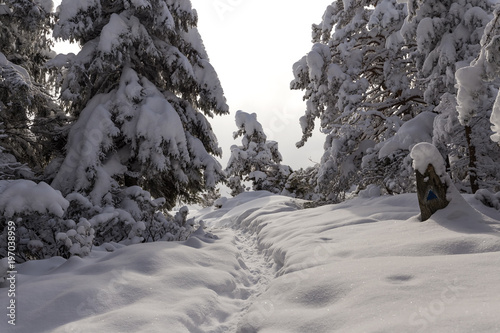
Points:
253	45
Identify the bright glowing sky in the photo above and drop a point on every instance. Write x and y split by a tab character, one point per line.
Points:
253	45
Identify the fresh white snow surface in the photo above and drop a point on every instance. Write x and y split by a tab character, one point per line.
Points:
266	264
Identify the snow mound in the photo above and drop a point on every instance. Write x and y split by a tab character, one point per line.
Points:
424	154
185	287
370	265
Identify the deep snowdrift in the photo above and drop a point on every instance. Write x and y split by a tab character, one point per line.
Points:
366	265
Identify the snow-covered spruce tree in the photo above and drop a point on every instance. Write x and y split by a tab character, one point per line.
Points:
447	35
358	82
256	160
476	84
27	111
139	91
389	163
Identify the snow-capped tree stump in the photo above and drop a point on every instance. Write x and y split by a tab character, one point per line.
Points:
432	179
431	192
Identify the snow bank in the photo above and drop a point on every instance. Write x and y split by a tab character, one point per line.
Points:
25	196
154	287
366	265
370	265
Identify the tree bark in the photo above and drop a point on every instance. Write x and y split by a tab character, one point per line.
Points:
472	160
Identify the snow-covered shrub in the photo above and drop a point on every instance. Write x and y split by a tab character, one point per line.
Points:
179	228
393	172
235	183
134	218
39	214
208	198
301	184
488	198
371	191
220	202
47	224
77	240
40	236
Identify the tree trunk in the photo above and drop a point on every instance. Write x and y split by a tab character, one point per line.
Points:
431	192
472	160
130	181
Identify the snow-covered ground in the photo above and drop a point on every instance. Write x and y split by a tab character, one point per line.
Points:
266	264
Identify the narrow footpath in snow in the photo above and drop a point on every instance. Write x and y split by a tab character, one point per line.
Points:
239	219
259	271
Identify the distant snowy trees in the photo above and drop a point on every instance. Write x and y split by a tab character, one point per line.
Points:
130	138
257	160
381	77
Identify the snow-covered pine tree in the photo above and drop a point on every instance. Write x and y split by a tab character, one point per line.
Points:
477	86
257	159
358	82
26	109
492	44
447	35
389	163
139	91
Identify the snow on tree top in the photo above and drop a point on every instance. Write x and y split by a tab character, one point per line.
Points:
424	154
111	34
70	8
248	122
